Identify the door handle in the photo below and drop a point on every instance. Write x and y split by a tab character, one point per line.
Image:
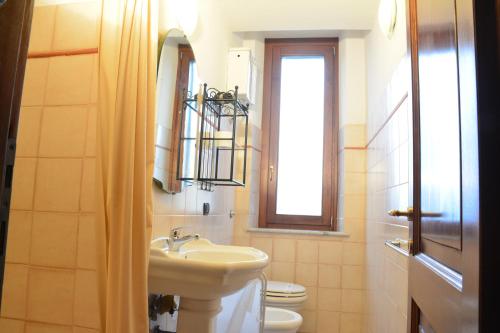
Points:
271	173
409	213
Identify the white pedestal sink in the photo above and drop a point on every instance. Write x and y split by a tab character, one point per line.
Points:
201	273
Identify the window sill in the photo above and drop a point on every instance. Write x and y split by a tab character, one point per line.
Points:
299	232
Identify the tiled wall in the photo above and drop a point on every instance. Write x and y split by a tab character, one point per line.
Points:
50	280
389	170
387	183
185	210
332	268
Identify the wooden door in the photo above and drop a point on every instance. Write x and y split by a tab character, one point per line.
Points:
444	261
15	25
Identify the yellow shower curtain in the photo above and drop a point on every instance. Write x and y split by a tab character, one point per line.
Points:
125	158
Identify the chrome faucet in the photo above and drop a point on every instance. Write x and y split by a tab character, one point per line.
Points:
175	241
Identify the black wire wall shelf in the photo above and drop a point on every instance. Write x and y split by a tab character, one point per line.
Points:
213	139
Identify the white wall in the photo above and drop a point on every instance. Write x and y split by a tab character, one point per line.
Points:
352	80
210	40
276	15
352	87
382	58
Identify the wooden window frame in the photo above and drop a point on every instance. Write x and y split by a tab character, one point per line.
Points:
274	50
185	56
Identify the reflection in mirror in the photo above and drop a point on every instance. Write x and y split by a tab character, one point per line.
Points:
176	74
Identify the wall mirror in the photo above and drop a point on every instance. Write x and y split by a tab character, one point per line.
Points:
177	76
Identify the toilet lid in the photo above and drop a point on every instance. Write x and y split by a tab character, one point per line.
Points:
285	289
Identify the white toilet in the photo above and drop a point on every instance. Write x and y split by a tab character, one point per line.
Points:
281	321
283	301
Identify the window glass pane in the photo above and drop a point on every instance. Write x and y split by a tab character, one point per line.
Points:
300	155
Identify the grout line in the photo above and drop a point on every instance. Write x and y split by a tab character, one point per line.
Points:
386	121
32	210
75	269
254	148
353	148
54	26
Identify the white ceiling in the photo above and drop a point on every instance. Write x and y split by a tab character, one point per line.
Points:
287	15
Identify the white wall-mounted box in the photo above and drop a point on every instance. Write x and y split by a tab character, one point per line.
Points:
242	72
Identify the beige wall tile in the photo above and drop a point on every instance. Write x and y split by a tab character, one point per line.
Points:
58	185
44	328
307	251
86	254
356	230
35	79
328	322
88	195
354	206
284	250
329	299
84	330
263	244
312	298
354	183
23	183
309	323
94	89
54	244
162	225
353	300
354	135
306	274
330	253
63	131
283	271
353	254
268	270
14	291
398	323
28	134
76	19
241	241
19	237
354	160
69	80
91	132
329	276
86	305
50	297
350	323
353	277
11	325
168	204
42	28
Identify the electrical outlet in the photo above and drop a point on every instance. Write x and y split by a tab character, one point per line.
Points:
206	208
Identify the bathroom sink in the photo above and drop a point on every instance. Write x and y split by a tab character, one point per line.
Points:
203	270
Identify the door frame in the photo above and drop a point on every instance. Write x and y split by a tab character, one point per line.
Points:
15	27
479	70
487	46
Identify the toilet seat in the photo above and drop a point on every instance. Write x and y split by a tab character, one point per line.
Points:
285	289
285	295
